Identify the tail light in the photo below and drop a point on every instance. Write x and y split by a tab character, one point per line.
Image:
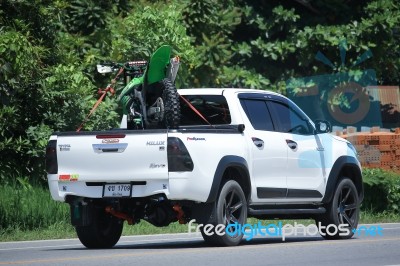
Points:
51	157
179	159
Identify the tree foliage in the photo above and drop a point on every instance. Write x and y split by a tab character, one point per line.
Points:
49	49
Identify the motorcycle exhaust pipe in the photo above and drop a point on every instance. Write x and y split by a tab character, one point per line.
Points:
173	68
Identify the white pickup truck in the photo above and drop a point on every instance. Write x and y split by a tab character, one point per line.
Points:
260	157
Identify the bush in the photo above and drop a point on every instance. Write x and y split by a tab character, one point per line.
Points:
381	190
27	207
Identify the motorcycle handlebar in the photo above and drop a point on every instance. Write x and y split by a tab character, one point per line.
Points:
130	65
131	68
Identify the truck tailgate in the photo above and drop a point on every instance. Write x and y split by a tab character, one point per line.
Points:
113	156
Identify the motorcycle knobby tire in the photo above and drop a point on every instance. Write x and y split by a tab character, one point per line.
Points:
172	109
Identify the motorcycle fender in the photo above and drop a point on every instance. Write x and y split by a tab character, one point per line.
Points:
158	64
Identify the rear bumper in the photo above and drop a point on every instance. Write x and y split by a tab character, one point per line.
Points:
60	189
179	186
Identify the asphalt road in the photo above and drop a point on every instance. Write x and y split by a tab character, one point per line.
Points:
185	249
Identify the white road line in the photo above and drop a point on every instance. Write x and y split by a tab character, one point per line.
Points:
76	239
163	240
124	239
120	242
35	241
38	247
383	224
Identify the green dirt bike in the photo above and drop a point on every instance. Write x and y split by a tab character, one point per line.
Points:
149	98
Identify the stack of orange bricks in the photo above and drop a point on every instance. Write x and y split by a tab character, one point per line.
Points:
376	149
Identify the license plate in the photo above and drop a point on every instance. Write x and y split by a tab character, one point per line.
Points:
117	190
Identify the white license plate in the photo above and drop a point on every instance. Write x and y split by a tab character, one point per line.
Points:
117	190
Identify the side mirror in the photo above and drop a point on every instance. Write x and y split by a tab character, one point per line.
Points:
322	126
241	128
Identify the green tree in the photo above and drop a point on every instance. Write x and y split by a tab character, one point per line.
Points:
44	87
147	27
286	36
49	49
220	61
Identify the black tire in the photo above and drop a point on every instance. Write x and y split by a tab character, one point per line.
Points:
104	232
344	208
170	97
230	207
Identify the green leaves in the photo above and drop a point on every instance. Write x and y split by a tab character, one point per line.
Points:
210	17
237	77
18	57
69	95
37	98
382	190
49	49
85	16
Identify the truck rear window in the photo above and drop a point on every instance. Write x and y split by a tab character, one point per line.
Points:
213	107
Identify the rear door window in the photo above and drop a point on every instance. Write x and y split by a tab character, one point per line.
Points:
213	107
258	114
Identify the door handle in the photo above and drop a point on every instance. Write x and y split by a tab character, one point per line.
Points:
104	148
292	144
258	142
